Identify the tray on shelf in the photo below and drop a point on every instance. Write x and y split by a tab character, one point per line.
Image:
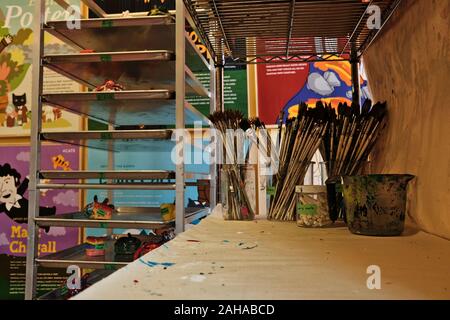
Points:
60	293
119	140
125	217
192	214
123	175
107	186
197	175
122	108
137	70
127	34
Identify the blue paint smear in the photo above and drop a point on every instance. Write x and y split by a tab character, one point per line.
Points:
152	264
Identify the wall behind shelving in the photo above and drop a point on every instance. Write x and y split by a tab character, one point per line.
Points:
409	67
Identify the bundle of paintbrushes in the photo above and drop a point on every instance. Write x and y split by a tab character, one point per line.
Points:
299	140
229	125
350	136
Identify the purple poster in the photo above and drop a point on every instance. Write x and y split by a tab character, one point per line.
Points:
14	170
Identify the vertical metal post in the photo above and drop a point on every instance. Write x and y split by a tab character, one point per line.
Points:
220	106
111	165
213	165
354	61
35	152
219	87
179	114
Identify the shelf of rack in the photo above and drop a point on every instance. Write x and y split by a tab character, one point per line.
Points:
121	140
197	175
76	255
124	217
126	34
60	293
121	108
128	179
137	70
138	175
107	186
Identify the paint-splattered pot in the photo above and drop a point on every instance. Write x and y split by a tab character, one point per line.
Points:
375	204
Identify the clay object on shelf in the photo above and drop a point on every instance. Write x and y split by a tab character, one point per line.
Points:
166	234
158	11
167	211
99	211
145	248
109	85
127	245
96	246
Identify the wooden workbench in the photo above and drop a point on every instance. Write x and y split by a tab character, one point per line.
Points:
278	260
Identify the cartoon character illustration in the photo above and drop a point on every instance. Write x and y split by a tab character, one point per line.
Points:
60	162
12	200
57	113
50	114
6	41
11	116
21	109
47	114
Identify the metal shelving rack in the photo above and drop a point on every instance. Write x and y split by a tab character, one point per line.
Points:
153	67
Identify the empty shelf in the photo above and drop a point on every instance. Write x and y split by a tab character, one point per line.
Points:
126	34
107	186
138	175
120	140
122	108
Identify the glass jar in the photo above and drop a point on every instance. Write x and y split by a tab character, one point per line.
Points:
312	206
238	191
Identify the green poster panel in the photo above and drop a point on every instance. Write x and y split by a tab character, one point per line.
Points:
235	91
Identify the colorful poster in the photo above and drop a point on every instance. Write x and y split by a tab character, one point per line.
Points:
14	170
282	86
16	40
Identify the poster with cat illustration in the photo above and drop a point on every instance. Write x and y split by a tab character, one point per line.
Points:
16	40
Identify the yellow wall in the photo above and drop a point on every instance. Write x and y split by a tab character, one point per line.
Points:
409	66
